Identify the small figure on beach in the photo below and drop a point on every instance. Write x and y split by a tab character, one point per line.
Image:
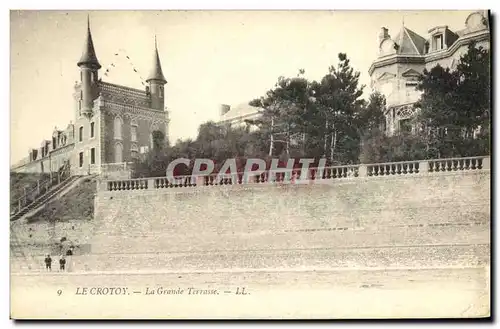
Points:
62	263
48	263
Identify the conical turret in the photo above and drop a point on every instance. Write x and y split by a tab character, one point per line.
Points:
156	71
89	57
89	67
156	81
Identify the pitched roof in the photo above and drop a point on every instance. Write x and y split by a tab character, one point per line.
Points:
88	56
409	42
242	110
156	71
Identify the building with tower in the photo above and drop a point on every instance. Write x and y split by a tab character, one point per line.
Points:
402	59
112	123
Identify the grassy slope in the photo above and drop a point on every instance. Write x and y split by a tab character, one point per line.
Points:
76	204
19	180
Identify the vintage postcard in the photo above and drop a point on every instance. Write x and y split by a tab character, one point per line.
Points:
250	164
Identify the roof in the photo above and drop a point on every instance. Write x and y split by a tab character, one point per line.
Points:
242	110
88	56
156	71
409	42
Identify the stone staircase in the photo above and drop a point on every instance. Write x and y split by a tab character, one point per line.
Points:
44	198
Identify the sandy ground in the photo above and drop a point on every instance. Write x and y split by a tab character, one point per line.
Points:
401	293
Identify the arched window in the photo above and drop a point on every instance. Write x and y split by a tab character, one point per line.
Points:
118	152
133	130
118	128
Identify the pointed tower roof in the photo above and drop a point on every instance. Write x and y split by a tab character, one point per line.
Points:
409	42
88	56
156	71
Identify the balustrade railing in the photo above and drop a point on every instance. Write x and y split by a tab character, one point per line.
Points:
396	168
131	184
454	164
297	176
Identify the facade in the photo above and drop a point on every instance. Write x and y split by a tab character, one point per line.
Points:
402	60
112	125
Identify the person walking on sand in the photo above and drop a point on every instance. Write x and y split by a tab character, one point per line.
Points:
62	263
48	263
69	259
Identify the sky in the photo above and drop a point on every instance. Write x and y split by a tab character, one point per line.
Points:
208	57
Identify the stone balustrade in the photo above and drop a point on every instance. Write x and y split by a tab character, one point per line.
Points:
422	167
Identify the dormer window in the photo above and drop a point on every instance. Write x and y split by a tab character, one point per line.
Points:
438	42
441	38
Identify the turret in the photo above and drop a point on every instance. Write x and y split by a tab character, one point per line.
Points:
156	82
89	67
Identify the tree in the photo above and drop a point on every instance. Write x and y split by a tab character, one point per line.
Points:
371	118
455	105
283	113
339	103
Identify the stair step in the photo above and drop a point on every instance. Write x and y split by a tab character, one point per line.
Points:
49	194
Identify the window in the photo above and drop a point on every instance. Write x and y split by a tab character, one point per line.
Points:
54	145
161	92
438	42
80	162
80	134
118	153
92	156
133	132
405	125
80	108
92	130
118	128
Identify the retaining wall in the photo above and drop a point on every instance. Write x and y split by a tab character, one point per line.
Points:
426	218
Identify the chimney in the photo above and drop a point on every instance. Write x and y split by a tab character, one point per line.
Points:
224	109
384	34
